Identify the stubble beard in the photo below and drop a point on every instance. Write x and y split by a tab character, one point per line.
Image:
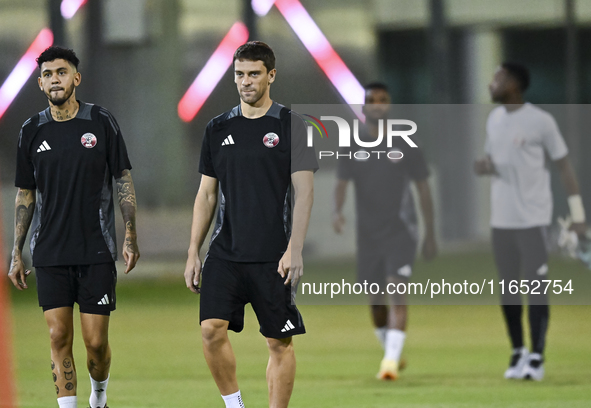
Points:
60	101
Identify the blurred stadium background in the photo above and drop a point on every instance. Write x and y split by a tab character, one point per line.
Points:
139	57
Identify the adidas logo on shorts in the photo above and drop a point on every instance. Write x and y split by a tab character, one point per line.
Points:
288	326
104	300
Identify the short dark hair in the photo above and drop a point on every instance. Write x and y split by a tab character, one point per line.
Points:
256	51
519	72
376	85
55	52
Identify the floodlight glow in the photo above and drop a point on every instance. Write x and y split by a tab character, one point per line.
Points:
70	7
262	7
23	70
212	72
317	44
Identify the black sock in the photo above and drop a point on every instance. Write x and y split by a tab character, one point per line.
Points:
538	323
512	315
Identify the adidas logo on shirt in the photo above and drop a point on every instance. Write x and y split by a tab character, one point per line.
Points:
44	147
228	141
104	300
288	326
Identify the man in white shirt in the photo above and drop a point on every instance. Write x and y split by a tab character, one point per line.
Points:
519	135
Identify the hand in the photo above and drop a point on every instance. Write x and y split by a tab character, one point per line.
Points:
18	274
193	274
429	248
338	222
131	253
580	228
291	266
484	167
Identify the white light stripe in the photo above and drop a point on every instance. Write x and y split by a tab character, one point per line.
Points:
23	69
326	57
27	64
212	72
70	7
262	7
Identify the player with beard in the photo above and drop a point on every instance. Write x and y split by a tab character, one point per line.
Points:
67	156
519	135
387	231
251	158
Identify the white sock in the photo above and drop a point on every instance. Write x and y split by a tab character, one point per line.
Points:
68	402
98	395
233	400
394	343
381	335
535	356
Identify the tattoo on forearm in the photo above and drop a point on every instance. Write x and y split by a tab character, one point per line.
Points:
128	205
24	209
126	190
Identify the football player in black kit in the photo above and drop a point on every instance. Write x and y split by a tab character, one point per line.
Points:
250	158
387	228
67	156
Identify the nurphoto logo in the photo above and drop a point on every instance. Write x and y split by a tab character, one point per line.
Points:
388	129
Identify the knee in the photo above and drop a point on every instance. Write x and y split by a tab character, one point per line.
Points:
213	331
280	347
60	336
97	346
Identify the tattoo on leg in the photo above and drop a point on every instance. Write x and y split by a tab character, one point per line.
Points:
69	386
69	375
52	365
57	389
92	366
67	363
54	377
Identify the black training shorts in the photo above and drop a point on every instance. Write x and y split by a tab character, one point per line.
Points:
228	286
521	254
379	261
91	286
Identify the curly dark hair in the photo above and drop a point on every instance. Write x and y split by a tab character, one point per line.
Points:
54	52
519	72
256	51
376	85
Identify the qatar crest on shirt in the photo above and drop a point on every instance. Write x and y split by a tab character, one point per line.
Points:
271	140
88	140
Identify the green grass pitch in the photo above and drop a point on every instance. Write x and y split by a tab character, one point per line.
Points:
456	354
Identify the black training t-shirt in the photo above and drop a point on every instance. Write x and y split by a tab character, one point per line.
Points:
71	164
383	199
253	160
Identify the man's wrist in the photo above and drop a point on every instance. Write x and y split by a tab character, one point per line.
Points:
577	210
193	252
295	248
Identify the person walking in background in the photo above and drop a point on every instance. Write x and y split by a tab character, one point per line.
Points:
387	229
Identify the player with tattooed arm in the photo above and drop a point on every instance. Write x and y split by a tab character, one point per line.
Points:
67	156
